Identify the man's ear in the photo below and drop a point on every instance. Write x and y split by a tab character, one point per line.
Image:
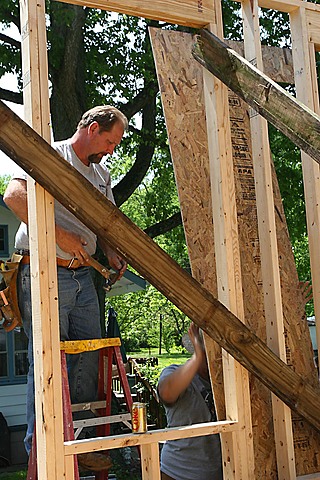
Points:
93	128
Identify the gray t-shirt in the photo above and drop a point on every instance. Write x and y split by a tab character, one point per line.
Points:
97	174
197	458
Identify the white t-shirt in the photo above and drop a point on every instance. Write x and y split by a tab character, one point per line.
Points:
97	174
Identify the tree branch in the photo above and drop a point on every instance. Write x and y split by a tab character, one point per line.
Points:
14	97
139	101
11	41
164	226
133	178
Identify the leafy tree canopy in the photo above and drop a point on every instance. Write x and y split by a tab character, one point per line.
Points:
4	180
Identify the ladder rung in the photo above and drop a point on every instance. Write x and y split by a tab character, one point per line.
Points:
79	346
83	407
89	422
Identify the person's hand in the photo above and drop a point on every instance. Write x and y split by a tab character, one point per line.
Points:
117	263
194	334
71	243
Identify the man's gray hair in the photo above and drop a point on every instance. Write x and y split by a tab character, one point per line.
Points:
105	115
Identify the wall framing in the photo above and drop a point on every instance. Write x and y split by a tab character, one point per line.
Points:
305	20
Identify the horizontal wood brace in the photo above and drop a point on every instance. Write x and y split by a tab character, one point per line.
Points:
127	440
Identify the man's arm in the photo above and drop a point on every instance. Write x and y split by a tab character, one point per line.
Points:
15	197
173	385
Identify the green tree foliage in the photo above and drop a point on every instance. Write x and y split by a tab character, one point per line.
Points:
4	180
140	317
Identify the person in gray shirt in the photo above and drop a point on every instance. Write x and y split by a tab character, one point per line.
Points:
185	391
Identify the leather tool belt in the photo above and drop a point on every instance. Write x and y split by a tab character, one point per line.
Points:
72	264
10	316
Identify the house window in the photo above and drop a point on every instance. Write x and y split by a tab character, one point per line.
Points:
4	240
13	356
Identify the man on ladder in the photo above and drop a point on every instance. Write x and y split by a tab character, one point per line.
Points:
98	133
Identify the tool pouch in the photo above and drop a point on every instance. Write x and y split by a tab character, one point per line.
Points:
10	316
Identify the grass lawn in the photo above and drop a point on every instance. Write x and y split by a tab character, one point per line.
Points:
164	359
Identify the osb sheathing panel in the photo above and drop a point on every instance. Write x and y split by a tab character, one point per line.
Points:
181	85
276	61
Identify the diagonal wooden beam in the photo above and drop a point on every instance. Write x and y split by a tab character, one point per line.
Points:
265	96
31	152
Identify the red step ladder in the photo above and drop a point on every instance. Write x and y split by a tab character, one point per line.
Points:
109	354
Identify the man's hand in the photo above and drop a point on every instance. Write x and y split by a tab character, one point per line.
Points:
71	243
116	262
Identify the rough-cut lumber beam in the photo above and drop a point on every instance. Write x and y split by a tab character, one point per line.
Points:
193	13
286	113
69	187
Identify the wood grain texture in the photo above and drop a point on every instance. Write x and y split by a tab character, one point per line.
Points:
192	13
313	19
277	62
180	81
70	188
44	287
261	93
288	5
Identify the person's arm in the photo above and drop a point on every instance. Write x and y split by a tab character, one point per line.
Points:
173	385
15	197
115	261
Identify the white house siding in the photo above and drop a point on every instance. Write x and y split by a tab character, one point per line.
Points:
8	218
13	404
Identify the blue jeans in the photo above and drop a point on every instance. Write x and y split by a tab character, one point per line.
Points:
79	319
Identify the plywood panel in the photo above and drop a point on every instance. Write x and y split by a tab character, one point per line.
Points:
194	13
181	88
277	61
189	152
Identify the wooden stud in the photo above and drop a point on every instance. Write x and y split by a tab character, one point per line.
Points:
268	246
307	92
313	27
150	465
237	448
48	404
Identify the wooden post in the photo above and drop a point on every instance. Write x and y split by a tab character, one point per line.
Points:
237	447
150	465
268	246
48	403
307	92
